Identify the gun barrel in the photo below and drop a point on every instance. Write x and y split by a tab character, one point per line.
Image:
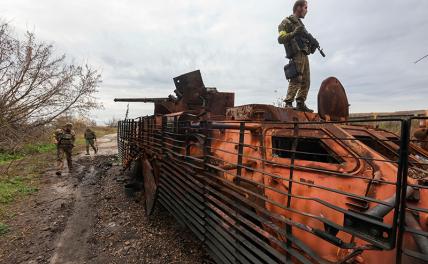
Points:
321	52
142	100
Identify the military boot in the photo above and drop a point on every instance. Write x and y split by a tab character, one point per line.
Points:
301	106
288	104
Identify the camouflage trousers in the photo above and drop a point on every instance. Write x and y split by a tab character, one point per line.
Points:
66	151
90	142
299	87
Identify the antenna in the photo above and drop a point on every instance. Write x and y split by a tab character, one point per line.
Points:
127	111
421	58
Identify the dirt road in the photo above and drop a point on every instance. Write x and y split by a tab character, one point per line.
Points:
85	217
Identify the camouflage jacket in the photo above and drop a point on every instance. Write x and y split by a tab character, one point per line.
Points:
66	138
287	26
293	44
90	135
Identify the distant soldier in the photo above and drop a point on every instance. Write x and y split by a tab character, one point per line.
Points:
64	139
298	45
91	139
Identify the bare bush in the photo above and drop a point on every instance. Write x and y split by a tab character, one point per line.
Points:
36	86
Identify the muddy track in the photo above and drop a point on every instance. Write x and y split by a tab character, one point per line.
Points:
85	217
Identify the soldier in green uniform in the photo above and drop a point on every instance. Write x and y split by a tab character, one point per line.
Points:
64	139
288	30
90	139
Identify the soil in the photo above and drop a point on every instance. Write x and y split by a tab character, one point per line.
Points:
85	217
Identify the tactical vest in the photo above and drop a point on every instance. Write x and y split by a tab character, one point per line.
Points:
89	135
295	45
66	139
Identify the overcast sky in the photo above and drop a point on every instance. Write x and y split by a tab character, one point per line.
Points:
141	45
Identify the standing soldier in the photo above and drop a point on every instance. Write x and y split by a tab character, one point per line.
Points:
298	45
91	139
64	138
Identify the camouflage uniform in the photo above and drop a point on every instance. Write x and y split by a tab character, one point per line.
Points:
299	87
65	144
90	138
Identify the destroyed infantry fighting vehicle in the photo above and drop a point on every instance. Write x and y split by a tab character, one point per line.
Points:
262	184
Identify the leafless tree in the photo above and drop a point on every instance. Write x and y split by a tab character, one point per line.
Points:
36	86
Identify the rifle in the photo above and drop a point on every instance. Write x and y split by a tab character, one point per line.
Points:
314	44
306	40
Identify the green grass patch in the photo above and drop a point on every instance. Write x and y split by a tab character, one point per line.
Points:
29	149
38	148
12	188
7	157
3	229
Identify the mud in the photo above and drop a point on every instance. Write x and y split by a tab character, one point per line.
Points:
85	217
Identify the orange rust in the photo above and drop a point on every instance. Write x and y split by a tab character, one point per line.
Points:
379	171
291	186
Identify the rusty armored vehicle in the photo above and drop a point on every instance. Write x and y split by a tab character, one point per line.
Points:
263	184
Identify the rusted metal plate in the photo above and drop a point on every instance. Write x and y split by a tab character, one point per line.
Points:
332	101
150	187
190	87
191	95
262	112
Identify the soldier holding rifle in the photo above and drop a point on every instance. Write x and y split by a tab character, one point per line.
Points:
298	45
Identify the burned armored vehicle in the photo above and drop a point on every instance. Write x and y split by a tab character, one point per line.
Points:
262	184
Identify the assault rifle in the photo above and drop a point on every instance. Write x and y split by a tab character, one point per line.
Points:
306	41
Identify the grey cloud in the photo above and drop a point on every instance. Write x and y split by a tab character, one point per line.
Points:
142	45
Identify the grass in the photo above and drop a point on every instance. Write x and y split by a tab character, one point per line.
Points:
7	157
28	149
38	148
14	187
3	229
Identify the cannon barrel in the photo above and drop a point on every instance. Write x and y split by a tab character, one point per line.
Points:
143	100
381	210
